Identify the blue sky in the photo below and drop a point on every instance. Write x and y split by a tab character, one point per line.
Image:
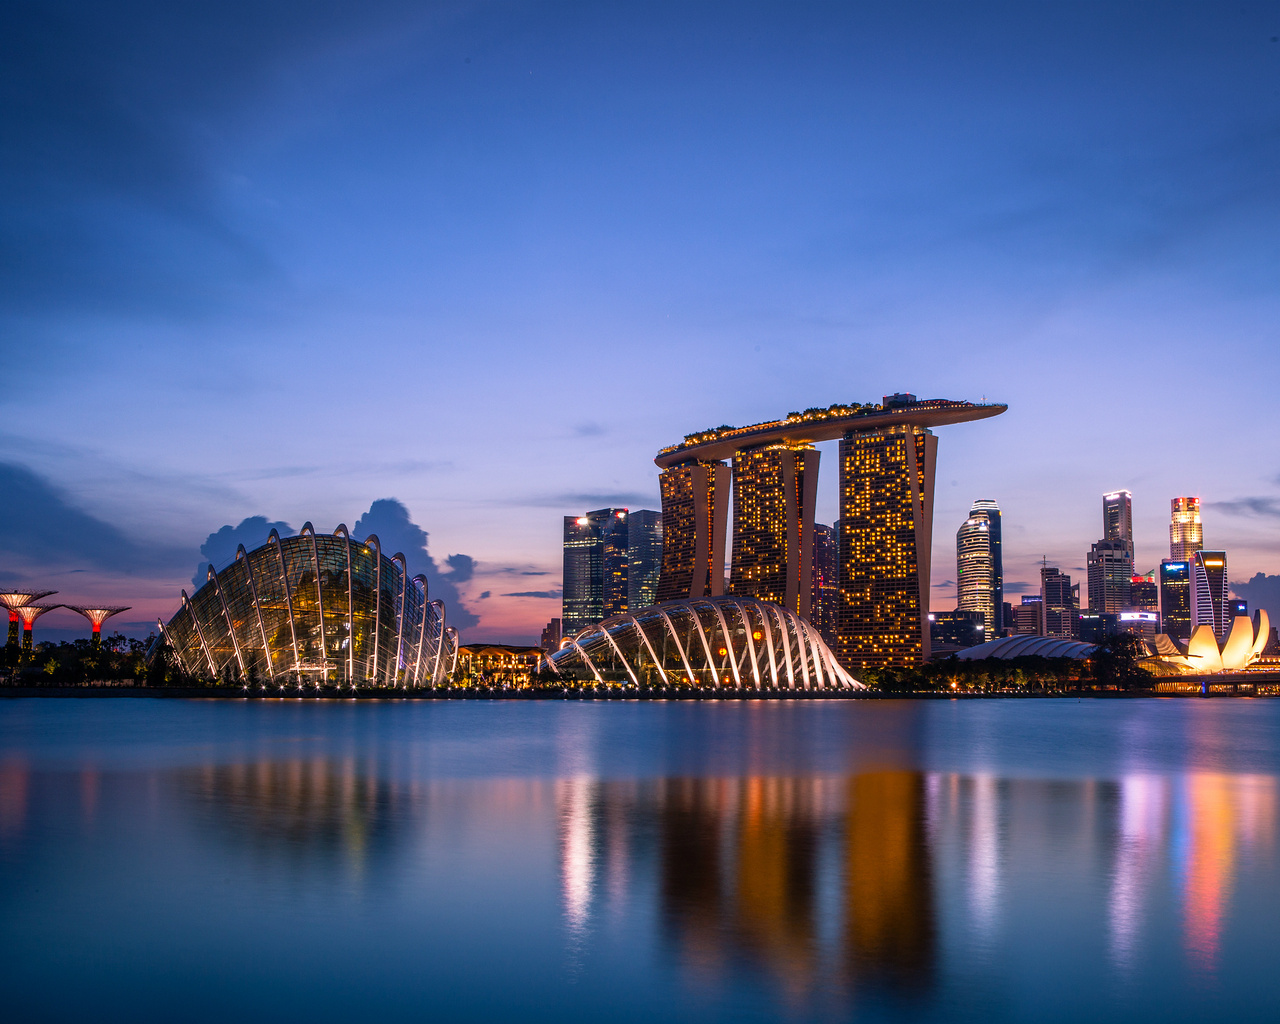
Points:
287	259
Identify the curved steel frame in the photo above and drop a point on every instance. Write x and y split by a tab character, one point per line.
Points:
341	531
243	555
226	613
310	531
274	537
208	655
796	641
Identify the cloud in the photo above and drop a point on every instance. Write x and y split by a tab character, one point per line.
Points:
588	500
1021	587
589	429
219	549
1261	591
389	519
533	572
536	593
1250	506
485	595
945	585
42	526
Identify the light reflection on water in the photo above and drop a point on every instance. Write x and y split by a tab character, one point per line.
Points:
706	862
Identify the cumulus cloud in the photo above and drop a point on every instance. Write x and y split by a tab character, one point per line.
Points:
1261	591
389	519
220	548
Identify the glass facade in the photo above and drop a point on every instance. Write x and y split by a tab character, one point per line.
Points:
1210	592
826	588
1175	599
774	490
979	568
1186	532
315	609
595	567
886	527
735	642
644	557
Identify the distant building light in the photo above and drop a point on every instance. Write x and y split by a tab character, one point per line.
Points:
583	520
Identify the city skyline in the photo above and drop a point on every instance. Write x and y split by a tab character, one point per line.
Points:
227	219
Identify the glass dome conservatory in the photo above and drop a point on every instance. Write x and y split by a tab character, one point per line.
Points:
314	609
736	642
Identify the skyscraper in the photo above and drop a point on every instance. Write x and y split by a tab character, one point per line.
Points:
826	587
1144	593
886	526
979	572
1117	517
1110	567
1210	592
695	501
1186	532
644	558
774	490
1175	599
1058	606
1110	561
595	568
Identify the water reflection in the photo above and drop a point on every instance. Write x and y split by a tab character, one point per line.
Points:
747	872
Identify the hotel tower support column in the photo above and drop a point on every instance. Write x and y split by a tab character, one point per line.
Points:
695	497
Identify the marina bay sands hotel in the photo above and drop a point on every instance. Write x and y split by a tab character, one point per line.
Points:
884	535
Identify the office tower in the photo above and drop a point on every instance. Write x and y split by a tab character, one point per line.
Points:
979	572
774	490
1117	517
644	558
1110	567
551	637
1144	593
826	588
1095	627
1186	533
1058	605
1006	617
885	539
1175	599
1027	616
1210	591
595	568
695	502
1236	607
957	630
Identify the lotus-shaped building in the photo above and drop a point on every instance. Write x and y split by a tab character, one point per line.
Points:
1243	646
736	642
314	609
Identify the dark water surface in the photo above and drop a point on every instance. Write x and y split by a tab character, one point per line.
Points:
315	861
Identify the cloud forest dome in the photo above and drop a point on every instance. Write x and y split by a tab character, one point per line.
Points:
314	609
738	642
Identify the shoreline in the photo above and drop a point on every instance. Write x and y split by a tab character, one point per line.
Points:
333	693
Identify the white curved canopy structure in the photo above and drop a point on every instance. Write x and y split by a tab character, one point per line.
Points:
714	641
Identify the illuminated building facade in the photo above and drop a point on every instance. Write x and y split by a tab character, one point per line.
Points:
1144	593
1186	532
551	633
883	539
1028	616
1175	599
774	490
1059	604
595	567
885	542
825	596
954	631
1117	517
1210	592
314	609
695	504
644	557
1110	567
979	565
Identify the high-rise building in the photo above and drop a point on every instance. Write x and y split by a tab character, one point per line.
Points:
644	558
1210	591
774	490
826	587
1028	616
979	568
1175	599
551	636
1144	593
1236	607
595	568
695	503
1058	604
1110	567
1186	532
885	540
1117	516
955	631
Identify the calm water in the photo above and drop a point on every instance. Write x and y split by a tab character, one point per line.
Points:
994	861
